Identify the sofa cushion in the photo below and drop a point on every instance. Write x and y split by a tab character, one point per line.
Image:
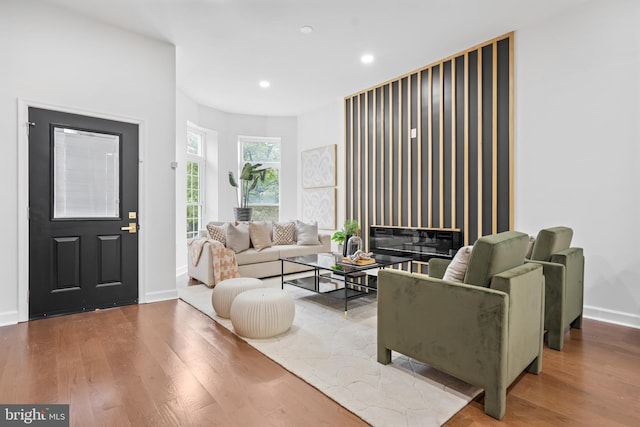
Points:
284	233
307	234
458	266
238	237
260	235
218	232
252	256
532	241
287	251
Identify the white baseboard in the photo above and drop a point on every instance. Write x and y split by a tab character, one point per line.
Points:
8	318
612	316
161	295
181	270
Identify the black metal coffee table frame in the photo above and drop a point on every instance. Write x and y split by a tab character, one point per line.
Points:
349	283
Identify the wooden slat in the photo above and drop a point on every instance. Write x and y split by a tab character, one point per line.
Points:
430	149
466	148
494	140
480	118
419	154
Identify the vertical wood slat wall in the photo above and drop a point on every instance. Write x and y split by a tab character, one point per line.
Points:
458	170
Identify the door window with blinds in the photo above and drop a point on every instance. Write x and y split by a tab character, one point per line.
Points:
86	174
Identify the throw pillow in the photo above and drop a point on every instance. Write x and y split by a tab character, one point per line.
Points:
260	235
458	267
284	233
238	237
532	241
218	232
307	234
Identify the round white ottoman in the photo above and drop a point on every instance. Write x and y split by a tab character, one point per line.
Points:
262	313
225	292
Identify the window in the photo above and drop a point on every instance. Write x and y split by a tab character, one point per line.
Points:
195	181
265	198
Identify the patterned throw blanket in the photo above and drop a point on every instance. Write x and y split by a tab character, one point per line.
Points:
223	260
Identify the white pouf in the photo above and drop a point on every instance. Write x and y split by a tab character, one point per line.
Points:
262	313
226	291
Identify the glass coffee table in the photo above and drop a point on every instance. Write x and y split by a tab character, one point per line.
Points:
338	279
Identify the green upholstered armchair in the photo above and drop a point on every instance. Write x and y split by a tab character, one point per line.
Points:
484	331
563	269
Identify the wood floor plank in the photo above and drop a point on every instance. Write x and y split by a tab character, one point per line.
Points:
166	364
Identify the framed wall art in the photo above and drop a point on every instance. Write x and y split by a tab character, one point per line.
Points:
319	167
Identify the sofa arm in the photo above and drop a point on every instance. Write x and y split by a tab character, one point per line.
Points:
325	240
437	267
203	270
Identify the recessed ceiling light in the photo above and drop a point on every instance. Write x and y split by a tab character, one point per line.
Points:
306	29
367	58
265	84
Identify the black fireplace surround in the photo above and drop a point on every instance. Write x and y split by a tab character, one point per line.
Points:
417	243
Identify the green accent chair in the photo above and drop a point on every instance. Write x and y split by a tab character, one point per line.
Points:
485	331
563	269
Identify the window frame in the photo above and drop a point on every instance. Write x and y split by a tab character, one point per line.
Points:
274	165
201	161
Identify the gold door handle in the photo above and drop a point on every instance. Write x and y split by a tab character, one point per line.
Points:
132	228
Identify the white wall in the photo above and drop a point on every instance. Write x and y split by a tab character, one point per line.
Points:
57	58
222	156
577	140
319	128
186	112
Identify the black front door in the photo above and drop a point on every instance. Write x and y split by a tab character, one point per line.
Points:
83	204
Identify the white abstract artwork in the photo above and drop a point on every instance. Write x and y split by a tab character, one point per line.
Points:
319	167
319	205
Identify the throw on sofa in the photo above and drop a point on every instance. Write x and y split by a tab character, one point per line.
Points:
259	256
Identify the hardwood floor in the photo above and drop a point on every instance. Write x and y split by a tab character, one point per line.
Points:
166	364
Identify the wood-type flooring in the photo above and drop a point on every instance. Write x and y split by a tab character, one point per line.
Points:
166	364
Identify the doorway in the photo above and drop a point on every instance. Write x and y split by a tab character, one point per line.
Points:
83	205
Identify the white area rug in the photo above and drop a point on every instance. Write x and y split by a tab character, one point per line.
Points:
338	357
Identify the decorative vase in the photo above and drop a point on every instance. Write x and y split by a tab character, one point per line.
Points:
243	214
354	244
344	246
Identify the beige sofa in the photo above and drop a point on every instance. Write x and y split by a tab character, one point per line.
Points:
259	264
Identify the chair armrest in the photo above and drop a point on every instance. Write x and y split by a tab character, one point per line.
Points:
554	296
437	267
525	286
573	261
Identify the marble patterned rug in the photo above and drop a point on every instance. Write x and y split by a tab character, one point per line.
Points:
338	357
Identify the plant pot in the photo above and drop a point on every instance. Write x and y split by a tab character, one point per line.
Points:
243	214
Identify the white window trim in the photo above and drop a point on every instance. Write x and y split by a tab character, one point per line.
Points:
278	165
202	164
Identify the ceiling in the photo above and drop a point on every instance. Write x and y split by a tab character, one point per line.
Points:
224	48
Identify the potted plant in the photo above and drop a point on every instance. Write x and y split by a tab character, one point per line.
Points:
249	176
341	237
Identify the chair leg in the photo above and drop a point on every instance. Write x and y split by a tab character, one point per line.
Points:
555	339
384	354
536	366
577	323
495	402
